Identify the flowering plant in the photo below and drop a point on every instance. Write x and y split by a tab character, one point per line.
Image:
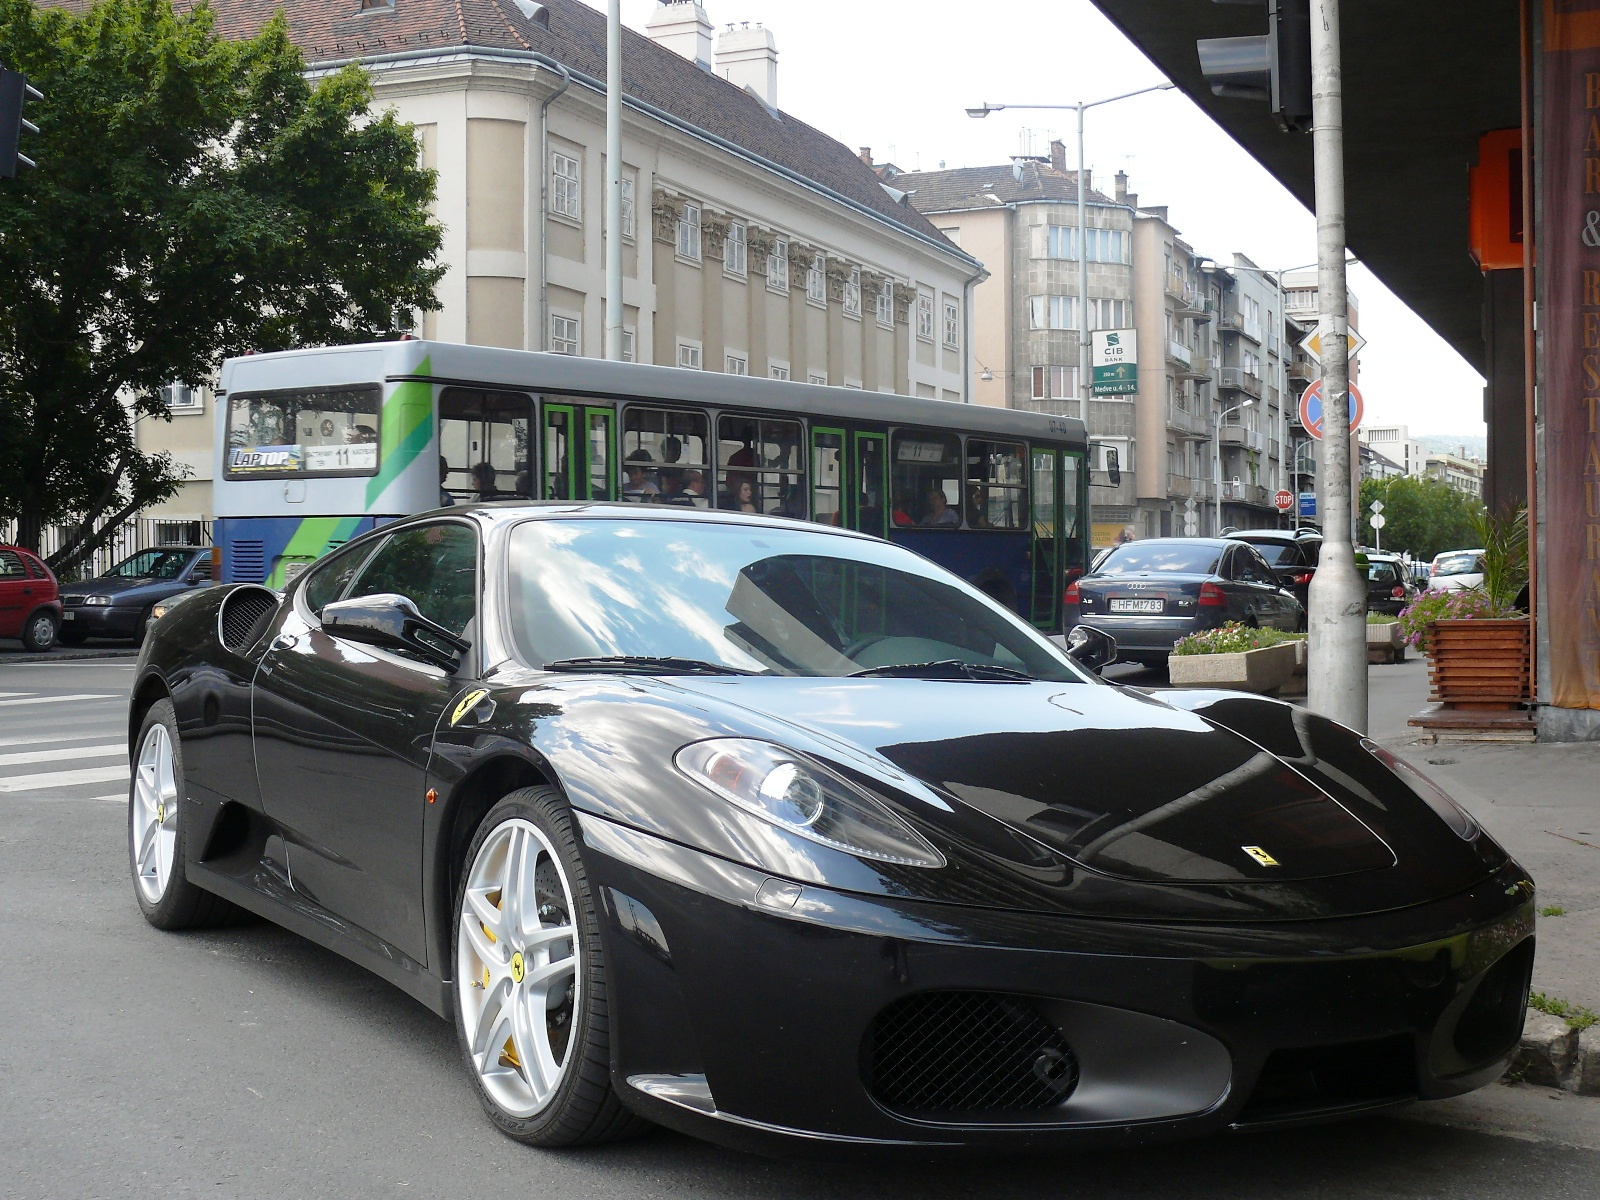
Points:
1232	638
1467	604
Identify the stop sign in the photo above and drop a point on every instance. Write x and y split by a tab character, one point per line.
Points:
1283	501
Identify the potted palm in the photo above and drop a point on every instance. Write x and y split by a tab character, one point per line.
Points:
1478	640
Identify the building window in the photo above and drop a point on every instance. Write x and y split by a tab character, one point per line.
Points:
628	346
180	397
925	316
886	303
736	364
1105	245
1251	363
565	198
817	377
689	355
689	232
627	208
563	334
852	292
1108	314
817	279
1052	312
1055	383
952	324
778	266
777	370
736	258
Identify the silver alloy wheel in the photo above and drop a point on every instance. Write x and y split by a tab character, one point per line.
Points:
43	631
153	811
517	968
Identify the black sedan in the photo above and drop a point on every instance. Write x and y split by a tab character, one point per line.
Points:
784	836
118	603
1149	594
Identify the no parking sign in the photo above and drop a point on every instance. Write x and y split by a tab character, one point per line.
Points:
1311	409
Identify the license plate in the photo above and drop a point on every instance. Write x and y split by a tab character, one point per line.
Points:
69	615
1137	605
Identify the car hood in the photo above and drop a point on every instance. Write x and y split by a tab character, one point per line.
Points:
1112	779
113	585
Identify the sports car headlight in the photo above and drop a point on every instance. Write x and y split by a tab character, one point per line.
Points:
97	598
805	798
1461	822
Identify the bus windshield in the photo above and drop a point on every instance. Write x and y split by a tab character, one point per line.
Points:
331	431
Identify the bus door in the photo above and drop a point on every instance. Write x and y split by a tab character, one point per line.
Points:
579	459
869	481
1048	543
850	479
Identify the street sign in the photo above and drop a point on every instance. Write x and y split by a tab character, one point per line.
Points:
1191	524
1377	507
1377	520
1115	362
1308	505
1283	501
1311	409
1312	343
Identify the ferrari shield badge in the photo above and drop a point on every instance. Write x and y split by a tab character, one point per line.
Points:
468	702
1260	855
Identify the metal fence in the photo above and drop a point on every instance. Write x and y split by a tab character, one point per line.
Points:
133	535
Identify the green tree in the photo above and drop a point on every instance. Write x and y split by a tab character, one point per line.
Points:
194	198
1425	516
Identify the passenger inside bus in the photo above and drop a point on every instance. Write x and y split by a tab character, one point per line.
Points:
936	510
641	484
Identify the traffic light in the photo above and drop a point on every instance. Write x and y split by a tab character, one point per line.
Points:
14	93
1275	67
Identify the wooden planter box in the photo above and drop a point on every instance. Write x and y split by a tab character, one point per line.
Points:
1384	644
1264	670
1481	664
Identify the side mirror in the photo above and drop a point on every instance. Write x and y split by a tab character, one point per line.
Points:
1089	647
392	621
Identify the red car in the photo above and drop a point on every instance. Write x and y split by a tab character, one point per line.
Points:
30	602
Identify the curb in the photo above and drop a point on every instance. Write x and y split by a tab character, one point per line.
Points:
74	655
1554	1054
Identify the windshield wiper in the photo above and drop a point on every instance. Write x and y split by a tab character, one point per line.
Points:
645	664
945	668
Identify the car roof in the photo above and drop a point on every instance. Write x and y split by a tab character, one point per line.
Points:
1276	535
504	512
1177	541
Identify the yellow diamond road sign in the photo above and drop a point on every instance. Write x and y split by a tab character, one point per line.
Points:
1312	343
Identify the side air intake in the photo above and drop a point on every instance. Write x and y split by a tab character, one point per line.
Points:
245	615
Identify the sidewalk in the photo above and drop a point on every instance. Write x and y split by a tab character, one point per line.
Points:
1541	802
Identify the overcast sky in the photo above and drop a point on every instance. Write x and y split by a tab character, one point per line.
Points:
897	76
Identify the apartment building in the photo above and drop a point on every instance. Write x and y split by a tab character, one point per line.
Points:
754	243
1396	443
1460	471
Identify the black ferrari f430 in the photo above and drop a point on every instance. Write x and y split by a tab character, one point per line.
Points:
782	835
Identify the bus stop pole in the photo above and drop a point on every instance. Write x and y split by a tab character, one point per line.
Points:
613	231
1337	666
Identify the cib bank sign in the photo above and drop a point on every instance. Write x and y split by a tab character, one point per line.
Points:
1116	362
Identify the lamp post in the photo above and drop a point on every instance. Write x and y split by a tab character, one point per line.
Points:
983	110
1216	443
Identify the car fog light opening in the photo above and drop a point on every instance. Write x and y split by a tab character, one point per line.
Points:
1461	822
804	798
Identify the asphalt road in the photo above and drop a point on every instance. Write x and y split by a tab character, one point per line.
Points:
247	1063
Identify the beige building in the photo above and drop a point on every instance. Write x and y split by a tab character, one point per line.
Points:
754	244
1459	471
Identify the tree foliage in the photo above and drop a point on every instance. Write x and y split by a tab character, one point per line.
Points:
1425	516
195	198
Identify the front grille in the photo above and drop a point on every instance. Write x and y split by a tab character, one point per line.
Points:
72	601
969	1054
1311	1079
244	617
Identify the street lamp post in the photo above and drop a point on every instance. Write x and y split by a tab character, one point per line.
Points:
983	110
1216	444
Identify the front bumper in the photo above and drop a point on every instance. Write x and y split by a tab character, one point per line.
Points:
103	620
744	1007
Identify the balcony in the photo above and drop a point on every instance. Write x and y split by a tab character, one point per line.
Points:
1234	379
1180	487
1178	353
1248	439
1185	422
1175	285
1244	493
1196	304
1303	370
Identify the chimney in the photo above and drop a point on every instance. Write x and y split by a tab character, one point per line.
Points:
748	57
1086	178
866	155
682	27
1122	187
1133	201
1058	155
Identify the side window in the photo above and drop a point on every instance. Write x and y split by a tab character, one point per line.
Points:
11	565
997	489
326	582
434	566
1250	566
762	466
927	479
666	457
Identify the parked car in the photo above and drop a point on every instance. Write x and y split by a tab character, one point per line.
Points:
1148	594
785	837
1389	584
1456	569
1291	553
118	603
30	604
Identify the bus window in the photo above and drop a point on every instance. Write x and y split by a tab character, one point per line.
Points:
484	445
827	476
1074	486
927	479
666	457
599	453
997	486
325	432
1046	547
763	466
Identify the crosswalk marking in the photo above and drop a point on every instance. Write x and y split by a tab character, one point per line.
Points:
61	779
34	739
65	754
60	699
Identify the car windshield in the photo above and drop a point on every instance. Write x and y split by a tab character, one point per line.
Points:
1273	552
1172	558
1457	564
755	599
151	564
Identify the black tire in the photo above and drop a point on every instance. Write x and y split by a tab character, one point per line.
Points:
39	631
181	905
71	635
584	1108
